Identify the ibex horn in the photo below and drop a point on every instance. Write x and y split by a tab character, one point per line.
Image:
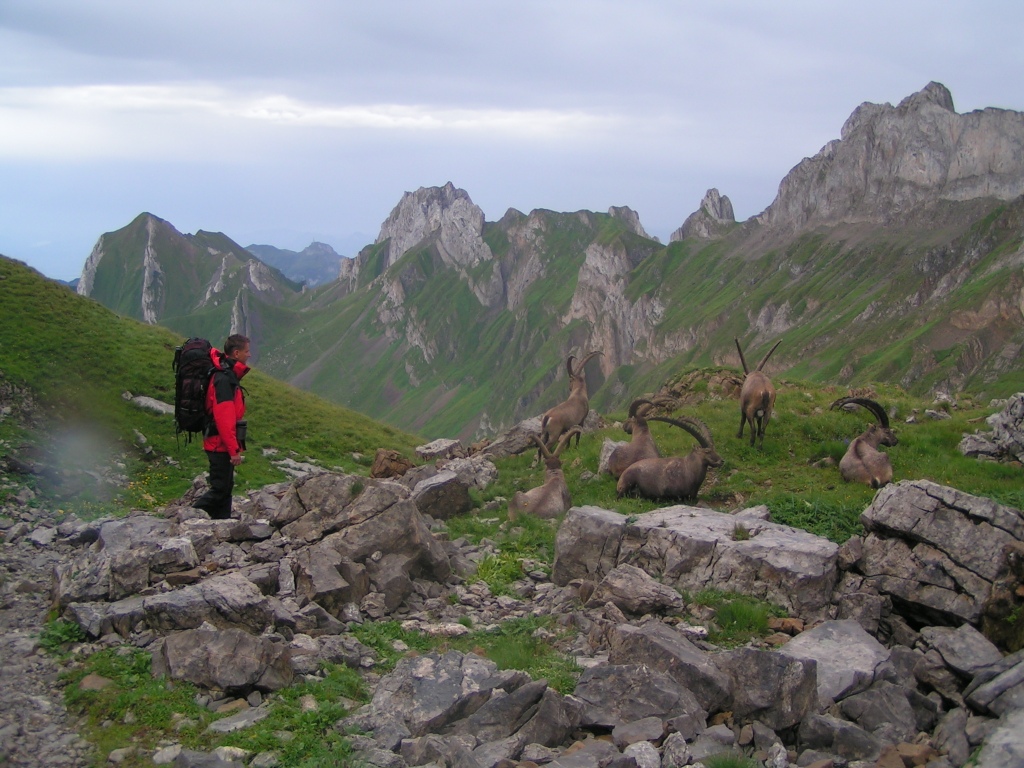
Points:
761	365
742	358
871	405
695	427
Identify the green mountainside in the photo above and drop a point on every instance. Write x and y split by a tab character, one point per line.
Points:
65	362
933	303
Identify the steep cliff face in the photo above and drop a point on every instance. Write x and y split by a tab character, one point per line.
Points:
890	160
443	214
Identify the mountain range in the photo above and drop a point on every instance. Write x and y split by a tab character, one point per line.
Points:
893	254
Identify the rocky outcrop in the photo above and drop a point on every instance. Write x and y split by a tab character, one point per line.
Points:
889	160
691	548
1005	440
444	216
631	218
942	555
714	218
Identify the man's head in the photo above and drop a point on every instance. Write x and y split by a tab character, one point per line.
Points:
237	347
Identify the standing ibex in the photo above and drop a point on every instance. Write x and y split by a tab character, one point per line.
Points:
678	477
757	397
551	499
573	410
642	445
863	462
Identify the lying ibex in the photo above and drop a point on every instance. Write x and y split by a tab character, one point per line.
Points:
573	410
757	397
863	462
551	499
678	477
642	445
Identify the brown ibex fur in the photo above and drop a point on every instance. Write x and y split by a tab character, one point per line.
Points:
642	445
863	462
573	410
677	477
757	397
551	499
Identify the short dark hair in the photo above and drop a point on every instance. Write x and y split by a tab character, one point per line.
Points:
235	341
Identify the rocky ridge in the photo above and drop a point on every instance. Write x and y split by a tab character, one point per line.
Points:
872	665
889	160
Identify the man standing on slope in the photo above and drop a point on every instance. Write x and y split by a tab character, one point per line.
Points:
224	436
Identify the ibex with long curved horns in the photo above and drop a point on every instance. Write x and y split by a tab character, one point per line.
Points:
573	410
757	397
642	445
677	477
551	499
863	462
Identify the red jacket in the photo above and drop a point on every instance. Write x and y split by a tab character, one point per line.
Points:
225	400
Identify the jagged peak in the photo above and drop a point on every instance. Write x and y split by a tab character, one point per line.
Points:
707	221
933	93
446	213
630	218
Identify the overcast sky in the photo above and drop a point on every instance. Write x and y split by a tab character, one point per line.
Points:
288	121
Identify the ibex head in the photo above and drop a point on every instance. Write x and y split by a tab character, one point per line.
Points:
552	459
700	431
638	414
885	434
577	374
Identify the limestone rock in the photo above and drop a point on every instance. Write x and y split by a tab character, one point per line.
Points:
229	660
691	548
846	655
937	550
889	159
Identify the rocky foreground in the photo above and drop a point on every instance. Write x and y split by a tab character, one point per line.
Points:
881	663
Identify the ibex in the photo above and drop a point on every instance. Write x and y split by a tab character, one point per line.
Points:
863	462
573	410
642	445
757	397
678	477
551	499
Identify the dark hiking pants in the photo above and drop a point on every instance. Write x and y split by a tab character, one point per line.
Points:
217	501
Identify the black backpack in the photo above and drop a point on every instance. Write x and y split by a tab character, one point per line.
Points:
192	371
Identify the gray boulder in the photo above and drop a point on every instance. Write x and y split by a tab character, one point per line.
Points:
662	648
964	649
228	660
999	687
935	550
768	686
442	496
847	657
635	592
1005	746
690	548
615	694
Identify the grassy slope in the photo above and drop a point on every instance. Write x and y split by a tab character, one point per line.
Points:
74	352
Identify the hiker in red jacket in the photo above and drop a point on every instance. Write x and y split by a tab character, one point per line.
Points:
224	438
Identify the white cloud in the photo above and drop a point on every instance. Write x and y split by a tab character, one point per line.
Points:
90	121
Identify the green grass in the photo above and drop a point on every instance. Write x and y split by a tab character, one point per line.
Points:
58	634
738	618
158	710
729	760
